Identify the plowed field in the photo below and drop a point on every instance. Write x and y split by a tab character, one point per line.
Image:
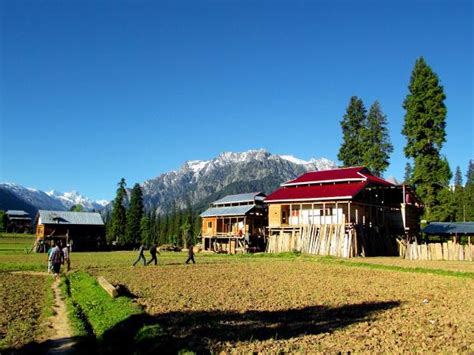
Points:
273	305
22	299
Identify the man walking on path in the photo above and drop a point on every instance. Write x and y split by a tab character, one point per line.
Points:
141	250
153	252
190	254
66	255
56	258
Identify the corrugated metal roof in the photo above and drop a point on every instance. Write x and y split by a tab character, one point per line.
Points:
239	198
438	228
337	175
66	217
17	213
316	192
227	211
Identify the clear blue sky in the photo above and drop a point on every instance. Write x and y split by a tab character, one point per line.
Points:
95	90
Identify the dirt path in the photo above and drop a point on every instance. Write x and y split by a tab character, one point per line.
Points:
59	336
61	340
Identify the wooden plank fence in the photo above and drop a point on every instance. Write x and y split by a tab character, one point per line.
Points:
330	239
436	251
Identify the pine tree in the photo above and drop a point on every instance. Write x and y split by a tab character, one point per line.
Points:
458	178
376	141
468	211
353	125
470	173
118	218
134	216
424	129
408	172
458	196
145	235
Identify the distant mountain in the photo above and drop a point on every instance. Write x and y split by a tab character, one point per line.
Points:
69	199
14	196
195	184
199	182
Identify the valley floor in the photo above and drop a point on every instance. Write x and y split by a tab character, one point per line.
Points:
262	303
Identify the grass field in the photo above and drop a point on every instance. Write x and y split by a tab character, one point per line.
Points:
266	303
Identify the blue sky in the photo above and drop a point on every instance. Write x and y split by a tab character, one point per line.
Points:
95	90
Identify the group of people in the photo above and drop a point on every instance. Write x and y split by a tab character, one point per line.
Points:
154	250
58	256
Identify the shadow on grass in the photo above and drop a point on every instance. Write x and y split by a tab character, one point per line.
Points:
205	331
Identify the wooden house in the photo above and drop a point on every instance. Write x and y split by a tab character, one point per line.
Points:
342	212
235	223
82	230
18	221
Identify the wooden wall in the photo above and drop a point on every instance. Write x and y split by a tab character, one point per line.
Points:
274	215
205	230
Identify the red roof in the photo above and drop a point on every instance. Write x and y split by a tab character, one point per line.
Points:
317	192
337	175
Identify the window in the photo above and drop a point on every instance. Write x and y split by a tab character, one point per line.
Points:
209	224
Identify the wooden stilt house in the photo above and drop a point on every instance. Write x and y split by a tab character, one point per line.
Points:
18	221
235	223
342	212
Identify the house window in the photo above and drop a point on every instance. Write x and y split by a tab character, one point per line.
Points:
209	224
283	217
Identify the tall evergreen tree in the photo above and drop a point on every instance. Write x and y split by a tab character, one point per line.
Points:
352	149
468	212
470	173
457	178
458	197
376	140
118	218
408	172
134	216
424	129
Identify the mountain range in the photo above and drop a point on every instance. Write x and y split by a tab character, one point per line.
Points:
17	197
195	184
199	182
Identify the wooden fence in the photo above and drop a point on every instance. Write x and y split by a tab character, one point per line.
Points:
436	251
330	239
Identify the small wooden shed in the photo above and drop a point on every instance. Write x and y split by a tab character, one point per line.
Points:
235	223
82	230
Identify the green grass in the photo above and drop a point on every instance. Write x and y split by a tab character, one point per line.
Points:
11	243
76	318
101	311
334	260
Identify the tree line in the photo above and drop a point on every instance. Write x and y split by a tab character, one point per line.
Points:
366	142
128	226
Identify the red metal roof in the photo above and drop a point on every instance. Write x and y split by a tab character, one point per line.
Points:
317	192
337	175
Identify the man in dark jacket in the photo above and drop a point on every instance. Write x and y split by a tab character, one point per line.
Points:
153	252
190	254
141	250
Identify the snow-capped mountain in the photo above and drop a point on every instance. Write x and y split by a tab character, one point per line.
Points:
14	196
69	199
198	182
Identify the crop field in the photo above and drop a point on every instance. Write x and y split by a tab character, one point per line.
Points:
275	305
22	305
260	303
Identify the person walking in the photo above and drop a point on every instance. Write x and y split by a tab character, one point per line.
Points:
153	252
57	258
50	265
191	254
141	256
67	257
